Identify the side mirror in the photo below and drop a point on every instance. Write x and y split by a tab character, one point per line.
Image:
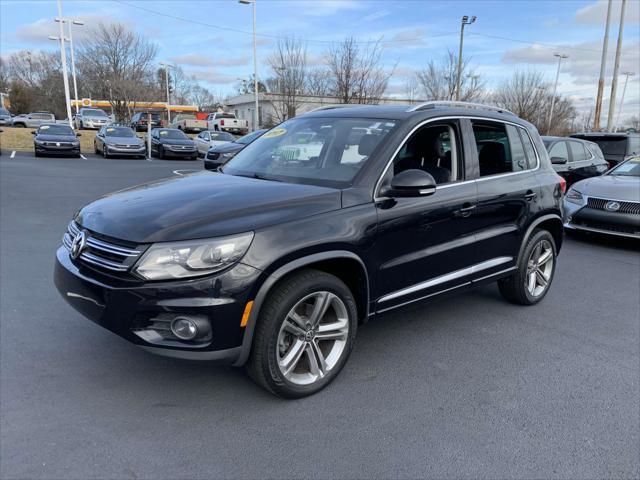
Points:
558	160
411	183
78	134
33	132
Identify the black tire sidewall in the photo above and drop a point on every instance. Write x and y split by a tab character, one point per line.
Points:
536	238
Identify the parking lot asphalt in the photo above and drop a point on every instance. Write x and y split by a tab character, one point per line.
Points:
468	387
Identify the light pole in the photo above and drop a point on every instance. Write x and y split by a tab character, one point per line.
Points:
71	22
255	63
555	88
63	58
624	89
465	21
603	65
166	67
616	66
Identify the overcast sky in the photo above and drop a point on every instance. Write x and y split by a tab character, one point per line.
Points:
212	39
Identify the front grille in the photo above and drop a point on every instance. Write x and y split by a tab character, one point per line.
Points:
131	147
607	227
625	207
58	144
100	253
213	155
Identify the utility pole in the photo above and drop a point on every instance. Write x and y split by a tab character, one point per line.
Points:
73	61
255	64
616	67
624	90
555	88
603	68
166	81
63	58
465	21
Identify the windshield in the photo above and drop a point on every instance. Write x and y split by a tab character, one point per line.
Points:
119	132
630	168
224	115
318	151
94	113
55	130
609	145
175	134
222	136
247	139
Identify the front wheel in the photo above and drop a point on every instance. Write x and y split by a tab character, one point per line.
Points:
304	334
534	274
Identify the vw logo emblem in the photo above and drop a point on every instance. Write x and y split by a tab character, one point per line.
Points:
57	144
612	206
78	244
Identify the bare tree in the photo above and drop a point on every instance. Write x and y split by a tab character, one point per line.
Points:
411	88
438	80
203	98
356	73
634	122
289	63
116	63
319	82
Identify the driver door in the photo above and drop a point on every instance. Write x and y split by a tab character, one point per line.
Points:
423	243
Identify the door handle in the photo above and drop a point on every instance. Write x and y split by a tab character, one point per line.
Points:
530	195
464	212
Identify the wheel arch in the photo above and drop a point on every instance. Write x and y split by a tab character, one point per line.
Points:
552	222
333	262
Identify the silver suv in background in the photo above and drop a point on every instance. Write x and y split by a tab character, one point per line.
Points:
32	120
5	116
91	118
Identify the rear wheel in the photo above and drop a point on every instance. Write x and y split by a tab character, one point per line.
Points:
536	267
305	332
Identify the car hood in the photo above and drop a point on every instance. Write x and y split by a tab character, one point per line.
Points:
616	187
202	205
176	141
92	118
56	138
124	140
229	147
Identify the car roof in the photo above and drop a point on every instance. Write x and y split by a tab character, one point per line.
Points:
54	125
552	138
603	134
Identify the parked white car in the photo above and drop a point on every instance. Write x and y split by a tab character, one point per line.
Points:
206	140
94	118
227	122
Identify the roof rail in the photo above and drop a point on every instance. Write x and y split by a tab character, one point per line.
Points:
331	106
448	103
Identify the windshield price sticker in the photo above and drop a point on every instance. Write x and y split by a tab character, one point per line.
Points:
276	132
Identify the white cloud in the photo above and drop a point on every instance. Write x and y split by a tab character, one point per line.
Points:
375	16
212	76
199	60
39	31
596	13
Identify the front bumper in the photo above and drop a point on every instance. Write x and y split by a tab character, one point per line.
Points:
93	124
138	311
181	153
582	217
113	150
54	149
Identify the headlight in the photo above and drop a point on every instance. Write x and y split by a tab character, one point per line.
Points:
574	196
165	261
228	156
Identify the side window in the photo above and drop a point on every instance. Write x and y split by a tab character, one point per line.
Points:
494	150
433	149
634	145
559	150
532	159
519	157
577	151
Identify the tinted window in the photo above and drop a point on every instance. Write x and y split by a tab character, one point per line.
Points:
175	134
578	151
309	150
247	139
224	115
494	151
532	160
518	156
222	136
630	168
611	145
94	112
559	150
432	149
55	130
634	145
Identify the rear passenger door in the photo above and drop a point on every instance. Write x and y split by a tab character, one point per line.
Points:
508	192
582	164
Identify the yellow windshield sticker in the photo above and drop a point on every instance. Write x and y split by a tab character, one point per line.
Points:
276	132
163	132
111	129
44	127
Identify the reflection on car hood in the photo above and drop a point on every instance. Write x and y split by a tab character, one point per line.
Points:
203	205
56	138
229	147
124	140
616	187
176	141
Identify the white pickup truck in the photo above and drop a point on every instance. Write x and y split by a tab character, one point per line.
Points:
189	123
227	122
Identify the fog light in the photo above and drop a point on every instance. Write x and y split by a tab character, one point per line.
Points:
184	328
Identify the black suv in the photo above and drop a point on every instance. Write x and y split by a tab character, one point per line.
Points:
617	147
575	159
323	222
139	121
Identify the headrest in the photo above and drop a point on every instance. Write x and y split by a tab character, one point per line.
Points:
367	144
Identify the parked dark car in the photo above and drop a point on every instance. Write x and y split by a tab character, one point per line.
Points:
616	147
55	138
274	261
139	121
221	154
119	141
575	159
5	117
171	142
608	204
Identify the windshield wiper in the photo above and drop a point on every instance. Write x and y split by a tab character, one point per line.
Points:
257	176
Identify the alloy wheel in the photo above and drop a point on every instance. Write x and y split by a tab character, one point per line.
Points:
312	338
539	268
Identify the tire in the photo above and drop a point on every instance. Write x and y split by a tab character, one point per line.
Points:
95	148
81	126
105	154
160	152
524	286
19	125
272	342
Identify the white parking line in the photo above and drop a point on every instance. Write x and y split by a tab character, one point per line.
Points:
13	154
83	157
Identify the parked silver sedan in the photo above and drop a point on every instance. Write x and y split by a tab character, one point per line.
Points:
118	141
206	140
